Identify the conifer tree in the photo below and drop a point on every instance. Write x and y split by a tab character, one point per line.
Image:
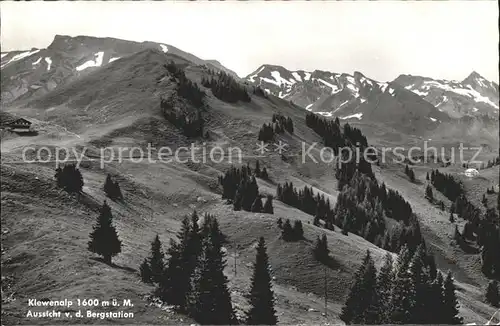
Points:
287	232
264	175
104	239
112	189
450	303
268	206
261	297
145	271
156	263
492	295
257	205
384	283
70	178
435	300
321	250
257	169
411	175
420	281
428	193
403	296
298	230
279	222
363	303
238	197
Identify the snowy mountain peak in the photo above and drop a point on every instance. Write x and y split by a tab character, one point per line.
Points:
475	95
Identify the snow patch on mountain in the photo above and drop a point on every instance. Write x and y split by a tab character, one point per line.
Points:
20	56
49	62
356	115
296	76
4	54
113	59
432	119
92	63
341	105
444	100
279	80
463	91
416	91
37	62
354	90
252	78
307	76
164	48
307	107
333	87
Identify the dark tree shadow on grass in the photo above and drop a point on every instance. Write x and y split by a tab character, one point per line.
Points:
113	265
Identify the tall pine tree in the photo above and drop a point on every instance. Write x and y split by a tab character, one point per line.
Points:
156	264
384	280
450	303
261	297
104	239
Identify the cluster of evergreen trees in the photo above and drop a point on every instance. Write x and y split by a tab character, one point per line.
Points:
279	125
484	230
112	188
284	123
409	291
291	233
446	184
69	178
305	200
239	187
332	134
409	172
185	87
104	238
347	168
259	173
363	206
492	163
225	87
191	124
489	238
192	278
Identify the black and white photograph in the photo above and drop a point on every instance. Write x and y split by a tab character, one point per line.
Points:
250	162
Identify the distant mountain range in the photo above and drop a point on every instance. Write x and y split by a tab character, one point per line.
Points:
359	97
411	104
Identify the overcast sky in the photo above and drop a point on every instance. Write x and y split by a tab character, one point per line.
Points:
440	39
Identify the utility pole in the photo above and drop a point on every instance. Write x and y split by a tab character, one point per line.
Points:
234	263
326	292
